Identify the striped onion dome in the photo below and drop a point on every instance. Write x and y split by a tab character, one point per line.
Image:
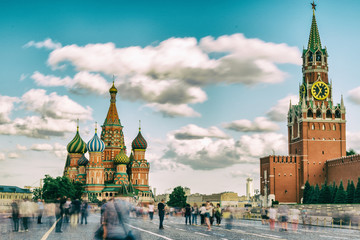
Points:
139	142
77	145
95	144
121	158
83	161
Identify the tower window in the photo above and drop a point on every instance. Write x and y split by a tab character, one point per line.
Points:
323	127
318	56
310	114
318	113
310	57
312	127
328	114
334	127
337	114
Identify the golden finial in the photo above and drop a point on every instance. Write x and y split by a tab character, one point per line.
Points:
139	125
95	127
77	122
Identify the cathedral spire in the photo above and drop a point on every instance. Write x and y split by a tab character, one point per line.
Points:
314	38
112	116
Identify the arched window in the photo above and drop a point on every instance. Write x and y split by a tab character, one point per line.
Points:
323	127
310	57
337	114
312	127
318	113
334	127
106	176
310	114
328	114
318	56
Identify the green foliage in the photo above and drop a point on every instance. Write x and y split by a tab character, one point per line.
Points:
59	187
325	194
357	192
37	194
340	194
177	198
315	195
333	195
350	152
350	191
93	199
307	193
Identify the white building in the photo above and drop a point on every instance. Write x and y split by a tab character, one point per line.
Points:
249	188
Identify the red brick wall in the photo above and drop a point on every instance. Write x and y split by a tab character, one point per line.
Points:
346	168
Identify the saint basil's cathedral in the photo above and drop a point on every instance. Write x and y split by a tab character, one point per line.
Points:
109	172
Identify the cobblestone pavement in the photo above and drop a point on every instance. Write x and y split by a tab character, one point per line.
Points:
175	229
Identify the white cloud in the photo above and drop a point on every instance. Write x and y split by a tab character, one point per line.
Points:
245	173
192	131
354	95
13	155
171	110
23	76
208	153
2	156
260	124
279	111
37	127
174	71
6	107
21	147
81	83
47	43
54	106
57	149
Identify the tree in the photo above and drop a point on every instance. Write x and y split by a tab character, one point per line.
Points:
315	195
177	198
357	192
350	191
307	193
325	194
340	194
333	192
59	187
37	194
350	152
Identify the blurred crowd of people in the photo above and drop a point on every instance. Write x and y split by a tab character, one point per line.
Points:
26	212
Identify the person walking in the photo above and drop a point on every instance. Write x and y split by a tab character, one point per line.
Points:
40	204
151	211
202	214
212	213
187	214
84	211
59	212
25	212
207	216
194	213
218	213
161	210
15	215
272	218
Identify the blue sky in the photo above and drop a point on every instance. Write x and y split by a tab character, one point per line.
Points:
210	81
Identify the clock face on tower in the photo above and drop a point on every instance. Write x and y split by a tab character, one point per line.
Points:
302	91
320	90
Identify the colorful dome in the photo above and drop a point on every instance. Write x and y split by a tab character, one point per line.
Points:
121	158
113	89
77	145
139	142
83	161
95	144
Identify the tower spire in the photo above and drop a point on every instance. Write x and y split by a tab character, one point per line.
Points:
77	123
314	38
139	125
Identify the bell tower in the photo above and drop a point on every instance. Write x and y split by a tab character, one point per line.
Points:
316	126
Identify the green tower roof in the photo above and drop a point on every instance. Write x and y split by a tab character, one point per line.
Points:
314	38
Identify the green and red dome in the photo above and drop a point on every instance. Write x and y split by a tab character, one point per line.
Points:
139	142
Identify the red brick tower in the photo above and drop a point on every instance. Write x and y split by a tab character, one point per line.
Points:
316	126
316	131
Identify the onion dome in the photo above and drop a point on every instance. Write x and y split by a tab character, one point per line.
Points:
77	145
95	144
83	161
121	158
139	142
113	89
